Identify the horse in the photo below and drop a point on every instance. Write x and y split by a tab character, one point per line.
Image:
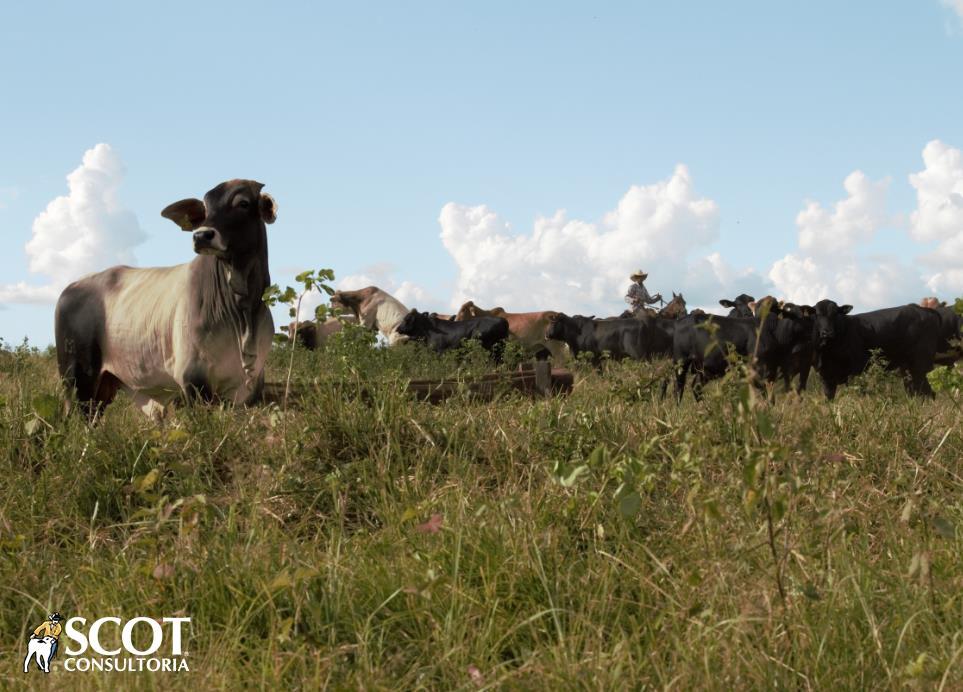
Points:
673	310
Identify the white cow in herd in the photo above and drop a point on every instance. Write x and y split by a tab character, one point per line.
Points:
374	309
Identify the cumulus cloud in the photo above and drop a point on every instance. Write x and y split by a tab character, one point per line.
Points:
830	262
956	6
86	230
583	266
938	218
853	220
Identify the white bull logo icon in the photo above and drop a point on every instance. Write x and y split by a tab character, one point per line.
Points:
39	649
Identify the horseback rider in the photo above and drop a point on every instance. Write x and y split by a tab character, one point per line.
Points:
638	295
50	627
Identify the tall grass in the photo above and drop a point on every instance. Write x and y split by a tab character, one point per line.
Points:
608	539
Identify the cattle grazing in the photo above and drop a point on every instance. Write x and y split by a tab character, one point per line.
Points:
799	360
199	329
907	336
632	337
527	328
740	305
443	335
702	344
374	309
312	335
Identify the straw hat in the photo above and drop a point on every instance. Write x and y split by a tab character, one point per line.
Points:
639	276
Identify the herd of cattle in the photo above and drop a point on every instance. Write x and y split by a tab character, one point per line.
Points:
201	329
784	340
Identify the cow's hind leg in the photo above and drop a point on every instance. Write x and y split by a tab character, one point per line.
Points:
79	329
26	662
681	374
918	384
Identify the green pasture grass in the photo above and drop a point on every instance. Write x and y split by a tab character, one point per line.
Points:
605	540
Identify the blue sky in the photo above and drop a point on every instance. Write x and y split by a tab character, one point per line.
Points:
366	119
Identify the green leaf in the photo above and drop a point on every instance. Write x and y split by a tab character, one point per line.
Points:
944	528
46	406
569	480
281	581
778	508
33	426
270	295
764	424
597	457
144	483
750	473
630	504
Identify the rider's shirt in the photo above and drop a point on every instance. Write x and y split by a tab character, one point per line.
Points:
639	296
48	629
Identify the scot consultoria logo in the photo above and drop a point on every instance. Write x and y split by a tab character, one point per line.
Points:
109	644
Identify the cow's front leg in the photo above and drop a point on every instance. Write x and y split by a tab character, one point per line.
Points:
197	385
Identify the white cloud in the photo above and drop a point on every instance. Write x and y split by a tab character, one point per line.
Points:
956	6
854	219
581	266
939	215
84	231
829	263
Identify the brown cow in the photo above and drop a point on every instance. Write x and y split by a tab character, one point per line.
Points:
527	328
313	336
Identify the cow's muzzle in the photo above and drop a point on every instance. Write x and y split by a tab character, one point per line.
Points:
207	241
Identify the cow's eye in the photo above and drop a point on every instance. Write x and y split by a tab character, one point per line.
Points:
244	204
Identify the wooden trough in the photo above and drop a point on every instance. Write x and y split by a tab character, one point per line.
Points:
538	380
534	380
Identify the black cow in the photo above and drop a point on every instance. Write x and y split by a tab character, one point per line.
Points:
442	335
908	337
740	305
635	337
800	357
948	348
701	344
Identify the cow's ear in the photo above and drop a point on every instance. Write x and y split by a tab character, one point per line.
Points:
845	309
269	208
727	303
189	214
